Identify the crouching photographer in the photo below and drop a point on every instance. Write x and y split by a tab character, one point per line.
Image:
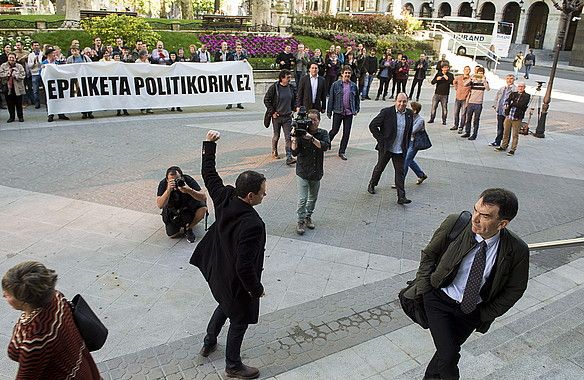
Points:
308	144
182	202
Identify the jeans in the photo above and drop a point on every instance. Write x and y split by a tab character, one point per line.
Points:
285	123
473	111
234	338
527	70
443	100
367	85
500	129
516	70
397	159
307	196
347	121
409	162
419	83
459	113
36	83
383	86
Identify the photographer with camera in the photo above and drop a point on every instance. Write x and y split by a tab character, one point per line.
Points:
182	202
309	142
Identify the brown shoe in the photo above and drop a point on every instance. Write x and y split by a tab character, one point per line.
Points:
275	155
309	223
245	372
206	350
300	228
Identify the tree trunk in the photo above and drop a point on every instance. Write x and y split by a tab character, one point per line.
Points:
163	13
186	9
260	12
72	15
217	6
60	7
85	5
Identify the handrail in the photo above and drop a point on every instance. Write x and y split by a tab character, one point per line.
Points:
478	46
556	244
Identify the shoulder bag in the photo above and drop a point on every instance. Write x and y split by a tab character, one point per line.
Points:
92	330
422	140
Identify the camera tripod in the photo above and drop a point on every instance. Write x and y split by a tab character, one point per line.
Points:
531	109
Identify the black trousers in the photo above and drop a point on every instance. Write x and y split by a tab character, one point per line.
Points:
383	86
419	83
347	121
401	86
14	103
500	121
383	158
234	337
450	328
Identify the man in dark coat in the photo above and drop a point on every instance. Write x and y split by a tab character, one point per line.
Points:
392	129
231	256
467	283
311	91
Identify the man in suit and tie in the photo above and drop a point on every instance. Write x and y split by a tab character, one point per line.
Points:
231	257
468	282
311	91
392	129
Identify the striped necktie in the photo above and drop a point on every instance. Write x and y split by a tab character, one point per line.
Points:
471	297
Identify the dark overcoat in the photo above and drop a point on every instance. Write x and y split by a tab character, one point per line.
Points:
231	254
383	127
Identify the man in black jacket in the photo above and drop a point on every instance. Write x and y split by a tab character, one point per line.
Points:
420	67
309	148
311	90
285	60
515	107
231	257
280	100
443	80
370	66
392	129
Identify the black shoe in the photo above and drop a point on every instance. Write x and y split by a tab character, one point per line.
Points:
300	228
21	119
367	98
190	235
377	98
444	122
454	128
229	106
493	144
500	149
290	161
10	120
403	201
179	109
171	109
206	350
244	372
421	179
84	116
91	116
430	121
391	97
119	113
126	113
149	110
309	223
2	106
472	138
343	156
50	118
510	153
63	117
384	98
37	106
466	135
371	189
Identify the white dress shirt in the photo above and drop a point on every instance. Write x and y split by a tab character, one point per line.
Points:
313	87
456	289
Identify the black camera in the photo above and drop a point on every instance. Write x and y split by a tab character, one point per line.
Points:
539	84
179	182
301	123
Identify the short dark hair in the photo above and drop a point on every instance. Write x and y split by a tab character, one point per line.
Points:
34	42
284	73
314	112
505	199
347	68
416	107
248	182
30	282
173	170
312	63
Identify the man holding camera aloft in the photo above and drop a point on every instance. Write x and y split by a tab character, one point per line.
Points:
182	202
309	142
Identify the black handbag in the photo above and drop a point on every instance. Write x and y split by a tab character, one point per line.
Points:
94	333
422	140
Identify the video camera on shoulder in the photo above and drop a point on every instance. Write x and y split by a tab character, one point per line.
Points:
301	123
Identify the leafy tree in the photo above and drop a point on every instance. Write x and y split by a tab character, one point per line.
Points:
129	28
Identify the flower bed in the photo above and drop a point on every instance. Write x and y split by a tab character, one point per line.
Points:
256	45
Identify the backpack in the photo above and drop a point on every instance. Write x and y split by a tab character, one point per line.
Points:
414	307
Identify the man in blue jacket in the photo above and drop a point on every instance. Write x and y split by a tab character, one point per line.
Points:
343	104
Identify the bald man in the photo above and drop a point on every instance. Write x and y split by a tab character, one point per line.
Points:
392	129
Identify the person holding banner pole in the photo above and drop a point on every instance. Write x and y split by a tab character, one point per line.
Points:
50	60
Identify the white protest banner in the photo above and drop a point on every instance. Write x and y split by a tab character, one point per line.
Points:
84	87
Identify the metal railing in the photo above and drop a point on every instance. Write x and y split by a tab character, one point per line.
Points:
556	244
478	47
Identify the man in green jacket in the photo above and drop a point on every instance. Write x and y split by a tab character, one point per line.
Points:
467	283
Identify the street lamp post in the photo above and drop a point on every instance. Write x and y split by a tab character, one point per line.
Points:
567	8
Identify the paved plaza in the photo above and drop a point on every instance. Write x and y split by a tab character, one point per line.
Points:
80	197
